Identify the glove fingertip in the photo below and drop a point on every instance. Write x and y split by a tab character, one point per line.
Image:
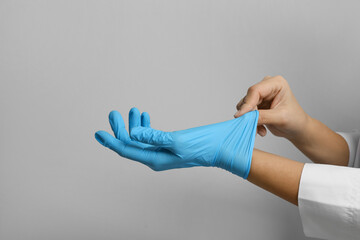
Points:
145	114
116	120
107	140
100	136
134	110
145	119
113	113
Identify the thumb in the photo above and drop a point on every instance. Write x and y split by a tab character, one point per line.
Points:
151	136
107	140
269	116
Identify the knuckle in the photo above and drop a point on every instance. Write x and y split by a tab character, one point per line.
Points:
266	77
253	91
253	88
280	78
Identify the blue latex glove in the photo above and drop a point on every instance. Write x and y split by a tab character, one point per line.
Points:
228	145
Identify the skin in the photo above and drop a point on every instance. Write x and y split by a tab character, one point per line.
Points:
276	174
281	114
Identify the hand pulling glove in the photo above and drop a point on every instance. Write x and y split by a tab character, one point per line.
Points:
228	145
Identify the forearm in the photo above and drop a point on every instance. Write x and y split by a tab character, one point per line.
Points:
276	174
322	145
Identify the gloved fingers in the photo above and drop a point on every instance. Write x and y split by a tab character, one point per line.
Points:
145	119
151	136
118	126
137	120
130	151
134	118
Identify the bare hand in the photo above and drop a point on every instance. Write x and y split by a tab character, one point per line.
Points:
278	109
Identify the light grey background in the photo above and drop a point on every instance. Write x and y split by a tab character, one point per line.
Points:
64	65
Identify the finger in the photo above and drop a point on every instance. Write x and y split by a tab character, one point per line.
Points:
244	107
107	140
261	130
118	126
267	77
243	99
145	119
255	95
134	118
125	150
270	116
151	136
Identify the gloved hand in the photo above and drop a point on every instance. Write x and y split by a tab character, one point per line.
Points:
228	145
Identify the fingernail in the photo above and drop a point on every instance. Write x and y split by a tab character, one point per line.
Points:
237	114
261	133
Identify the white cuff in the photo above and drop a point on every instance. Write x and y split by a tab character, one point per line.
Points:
352	139
329	201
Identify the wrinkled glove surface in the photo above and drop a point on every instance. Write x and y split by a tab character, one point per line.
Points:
228	145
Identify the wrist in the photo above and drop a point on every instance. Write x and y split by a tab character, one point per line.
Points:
276	174
321	144
303	135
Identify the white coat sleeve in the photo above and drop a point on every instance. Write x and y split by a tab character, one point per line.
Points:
329	197
352	139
